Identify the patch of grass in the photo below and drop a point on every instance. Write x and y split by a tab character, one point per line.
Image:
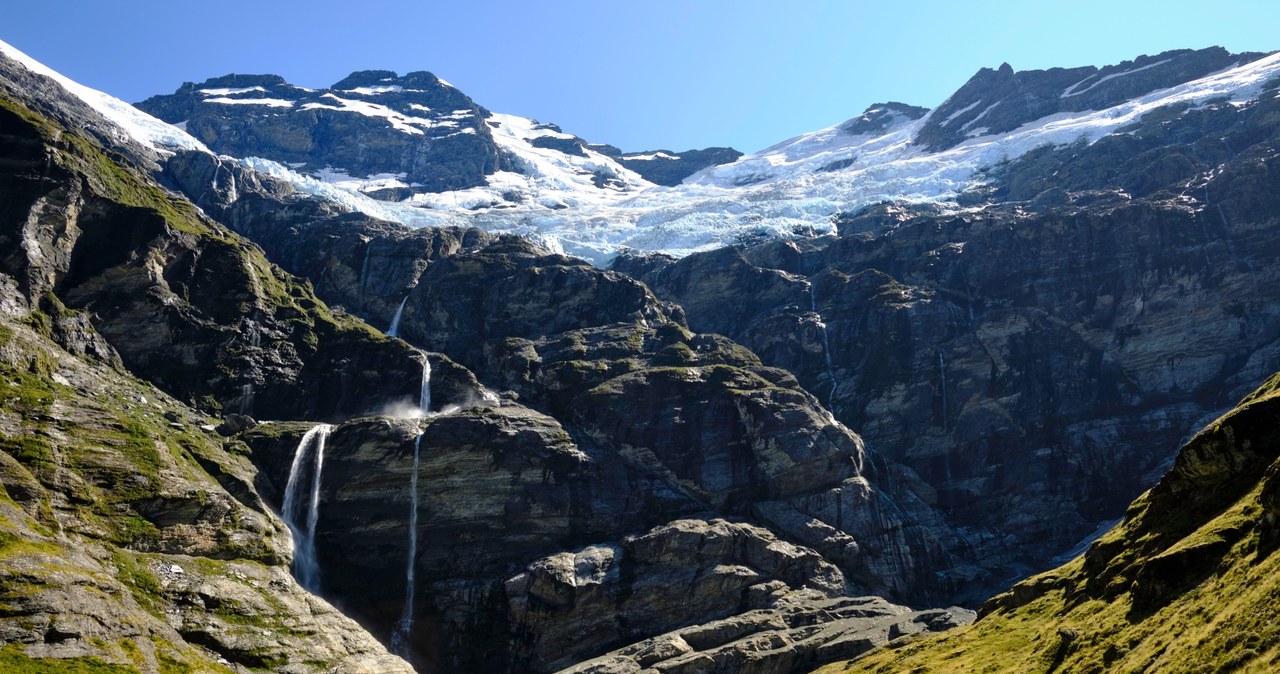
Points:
12	544
28	392
14	661
32	451
172	665
140	581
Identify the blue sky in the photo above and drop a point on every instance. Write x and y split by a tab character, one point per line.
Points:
639	75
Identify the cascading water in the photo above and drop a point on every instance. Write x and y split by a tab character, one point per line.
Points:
246	399
942	381
424	390
306	566
826	349
404	626
364	266
395	320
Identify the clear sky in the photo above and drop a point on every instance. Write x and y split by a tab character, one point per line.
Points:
673	74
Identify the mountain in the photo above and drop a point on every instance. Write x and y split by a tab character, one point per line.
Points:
587	201
392	137
554	465
524	530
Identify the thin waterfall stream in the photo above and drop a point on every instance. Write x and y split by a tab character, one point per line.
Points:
826	349
395	320
424	389
404	626
306	566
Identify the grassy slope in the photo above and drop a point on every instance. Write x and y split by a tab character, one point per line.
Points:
1189	582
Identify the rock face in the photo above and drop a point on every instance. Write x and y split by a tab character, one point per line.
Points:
650	422
995	101
797	634
1184	583
587	600
663	167
1028	360
511	500
372	122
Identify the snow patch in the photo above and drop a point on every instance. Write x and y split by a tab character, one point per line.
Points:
270	102
230	91
374	91
1071	90
399	121
952	117
650	157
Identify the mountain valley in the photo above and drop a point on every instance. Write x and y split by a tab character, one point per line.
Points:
651	411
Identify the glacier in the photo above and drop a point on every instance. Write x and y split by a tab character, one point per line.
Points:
592	207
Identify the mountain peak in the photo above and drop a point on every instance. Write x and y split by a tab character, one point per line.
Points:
420	79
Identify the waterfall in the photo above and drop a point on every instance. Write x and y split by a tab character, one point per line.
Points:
424	390
942	377
246	398
404	626
826	349
395	320
364	266
306	568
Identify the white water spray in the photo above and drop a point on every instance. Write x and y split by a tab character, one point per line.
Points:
395	320
306	567
404	626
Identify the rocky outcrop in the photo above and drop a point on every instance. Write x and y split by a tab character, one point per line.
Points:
799	632
429	134
880	116
663	167
588	600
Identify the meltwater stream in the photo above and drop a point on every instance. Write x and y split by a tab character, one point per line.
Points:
306	567
424	389
404	626
826	349
395	320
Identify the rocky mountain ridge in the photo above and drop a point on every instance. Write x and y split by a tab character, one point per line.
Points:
397	135
574	197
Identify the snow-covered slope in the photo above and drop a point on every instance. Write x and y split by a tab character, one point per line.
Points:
140	126
800	184
583	202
